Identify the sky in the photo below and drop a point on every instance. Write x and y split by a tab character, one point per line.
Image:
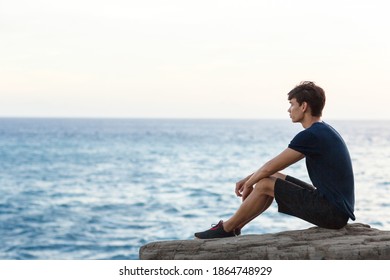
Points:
191	59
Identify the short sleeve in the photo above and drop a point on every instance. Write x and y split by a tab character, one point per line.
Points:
305	142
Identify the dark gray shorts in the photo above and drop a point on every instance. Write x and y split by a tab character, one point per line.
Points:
302	200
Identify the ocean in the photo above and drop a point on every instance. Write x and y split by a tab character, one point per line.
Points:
101	188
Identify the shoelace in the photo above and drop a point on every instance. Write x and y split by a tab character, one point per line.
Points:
215	225
237	232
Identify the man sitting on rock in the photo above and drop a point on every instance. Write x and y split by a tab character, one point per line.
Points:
328	203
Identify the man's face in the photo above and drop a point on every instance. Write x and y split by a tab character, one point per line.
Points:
296	111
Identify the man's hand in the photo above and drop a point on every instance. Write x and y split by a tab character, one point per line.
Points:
242	189
247	189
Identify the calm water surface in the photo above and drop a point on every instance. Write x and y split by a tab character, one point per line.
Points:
101	188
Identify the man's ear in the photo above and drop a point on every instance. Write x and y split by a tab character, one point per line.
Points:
304	106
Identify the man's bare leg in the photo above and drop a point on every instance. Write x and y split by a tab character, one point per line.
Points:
266	205
256	203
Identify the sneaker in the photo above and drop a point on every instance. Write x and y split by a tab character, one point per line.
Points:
216	231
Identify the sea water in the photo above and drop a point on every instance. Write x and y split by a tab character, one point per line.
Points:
102	188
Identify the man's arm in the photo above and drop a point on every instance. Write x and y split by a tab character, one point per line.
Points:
278	163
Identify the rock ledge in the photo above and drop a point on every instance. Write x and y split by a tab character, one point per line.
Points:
353	242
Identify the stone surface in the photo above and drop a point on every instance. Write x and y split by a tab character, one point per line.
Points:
353	242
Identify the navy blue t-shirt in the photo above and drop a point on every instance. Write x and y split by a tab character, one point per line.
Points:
328	163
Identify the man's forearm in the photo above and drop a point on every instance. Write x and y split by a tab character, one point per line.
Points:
262	173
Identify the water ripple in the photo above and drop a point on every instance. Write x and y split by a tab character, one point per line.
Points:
100	189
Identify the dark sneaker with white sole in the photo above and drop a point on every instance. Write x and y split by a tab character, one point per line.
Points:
216	231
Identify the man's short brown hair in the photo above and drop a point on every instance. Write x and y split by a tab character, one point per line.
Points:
310	93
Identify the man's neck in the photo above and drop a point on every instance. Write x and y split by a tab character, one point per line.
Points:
309	120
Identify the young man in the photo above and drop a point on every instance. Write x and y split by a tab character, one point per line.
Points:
328	203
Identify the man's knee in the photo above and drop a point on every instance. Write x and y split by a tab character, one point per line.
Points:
266	186
279	175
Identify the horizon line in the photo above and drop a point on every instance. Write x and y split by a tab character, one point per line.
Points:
181	118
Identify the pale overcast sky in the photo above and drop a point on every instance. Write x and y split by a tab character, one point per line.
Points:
191	59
